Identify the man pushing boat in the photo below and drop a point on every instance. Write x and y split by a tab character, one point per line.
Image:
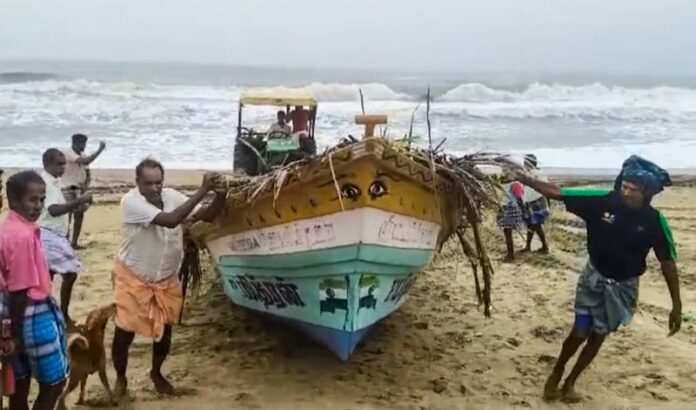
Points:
147	292
622	227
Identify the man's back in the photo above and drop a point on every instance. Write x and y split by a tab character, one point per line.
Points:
300	119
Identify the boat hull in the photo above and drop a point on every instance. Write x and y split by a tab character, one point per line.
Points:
336	311
334	246
333	277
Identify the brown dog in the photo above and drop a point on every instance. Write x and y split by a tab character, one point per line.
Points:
87	353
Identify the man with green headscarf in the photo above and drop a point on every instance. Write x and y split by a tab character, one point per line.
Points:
622	228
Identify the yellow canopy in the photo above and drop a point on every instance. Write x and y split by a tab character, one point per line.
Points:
278	96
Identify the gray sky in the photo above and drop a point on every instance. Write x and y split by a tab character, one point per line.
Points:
642	36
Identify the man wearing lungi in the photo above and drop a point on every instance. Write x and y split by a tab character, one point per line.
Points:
147	292
537	211
37	325
76	179
622	227
61	256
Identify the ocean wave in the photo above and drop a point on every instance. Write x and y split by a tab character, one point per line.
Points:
25	77
477	92
335	92
472	101
325	92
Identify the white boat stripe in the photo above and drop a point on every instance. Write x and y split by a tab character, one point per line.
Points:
365	225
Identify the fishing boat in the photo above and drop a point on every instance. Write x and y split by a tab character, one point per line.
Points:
332	244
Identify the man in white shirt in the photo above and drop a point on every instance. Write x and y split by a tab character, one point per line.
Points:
61	257
147	292
76	179
280	128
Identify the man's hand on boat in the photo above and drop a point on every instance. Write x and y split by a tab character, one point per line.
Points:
214	181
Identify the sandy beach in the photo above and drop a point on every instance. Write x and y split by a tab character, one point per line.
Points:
437	352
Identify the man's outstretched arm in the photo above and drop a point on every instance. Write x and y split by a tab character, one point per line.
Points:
546	189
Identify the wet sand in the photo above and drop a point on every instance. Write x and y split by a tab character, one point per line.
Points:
437	352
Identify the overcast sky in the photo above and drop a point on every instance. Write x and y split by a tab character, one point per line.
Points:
642	36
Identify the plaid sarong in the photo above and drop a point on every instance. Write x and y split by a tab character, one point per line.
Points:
511	216
538	211
603	304
44	352
60	255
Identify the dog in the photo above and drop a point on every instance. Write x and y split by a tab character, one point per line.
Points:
87	353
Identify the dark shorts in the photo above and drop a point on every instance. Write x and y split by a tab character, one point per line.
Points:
71	194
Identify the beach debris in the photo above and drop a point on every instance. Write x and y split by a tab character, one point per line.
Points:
439	385
463	389
421	325
546	358
658	396
547	334
688	317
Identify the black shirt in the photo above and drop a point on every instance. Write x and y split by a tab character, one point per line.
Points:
619	237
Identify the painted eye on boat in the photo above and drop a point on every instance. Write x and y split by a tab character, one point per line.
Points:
377	189
350	191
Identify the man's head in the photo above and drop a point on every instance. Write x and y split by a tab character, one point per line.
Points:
54	162
26	192
79	143
149	176
640	180
281	117
632	194
298	108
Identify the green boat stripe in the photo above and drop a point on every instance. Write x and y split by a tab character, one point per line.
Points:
384	255
669	236
584	192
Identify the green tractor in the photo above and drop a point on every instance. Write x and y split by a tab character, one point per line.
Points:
256	153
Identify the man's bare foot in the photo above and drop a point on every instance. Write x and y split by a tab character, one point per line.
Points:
120	387
525	250
569	395
162	386
542	250
551	391
509	258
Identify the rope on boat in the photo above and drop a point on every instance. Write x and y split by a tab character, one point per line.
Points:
335	181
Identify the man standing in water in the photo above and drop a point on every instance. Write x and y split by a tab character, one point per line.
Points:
76	179
147	291
622	227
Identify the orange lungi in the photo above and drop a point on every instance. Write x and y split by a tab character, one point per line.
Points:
142	307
